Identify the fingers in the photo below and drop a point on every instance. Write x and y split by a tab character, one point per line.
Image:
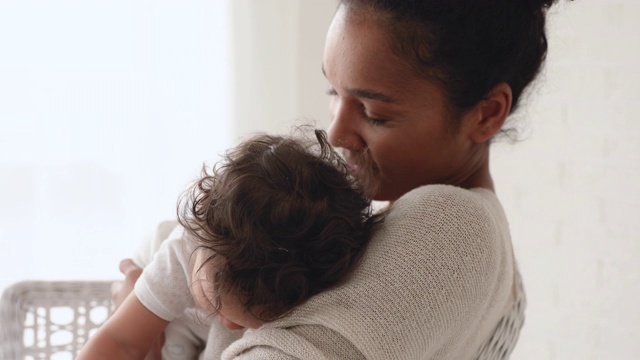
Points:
127	266
121	289
115	288
116	293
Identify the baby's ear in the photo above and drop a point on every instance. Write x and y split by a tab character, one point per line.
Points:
488	116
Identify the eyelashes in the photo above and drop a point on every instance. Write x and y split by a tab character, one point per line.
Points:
372	120
363	111
376	122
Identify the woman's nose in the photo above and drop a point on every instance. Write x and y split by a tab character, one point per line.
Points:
343	131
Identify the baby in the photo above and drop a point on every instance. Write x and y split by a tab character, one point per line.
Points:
276	222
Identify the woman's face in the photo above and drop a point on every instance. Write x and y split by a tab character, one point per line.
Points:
392	125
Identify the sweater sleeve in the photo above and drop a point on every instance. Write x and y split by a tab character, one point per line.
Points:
434	281
306	342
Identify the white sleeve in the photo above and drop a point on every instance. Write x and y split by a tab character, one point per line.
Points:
164	286
152	242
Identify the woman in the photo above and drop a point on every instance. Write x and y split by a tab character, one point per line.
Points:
418	91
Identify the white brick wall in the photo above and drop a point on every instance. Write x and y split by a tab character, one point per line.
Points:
572	188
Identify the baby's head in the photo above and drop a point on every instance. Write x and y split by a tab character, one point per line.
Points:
277	221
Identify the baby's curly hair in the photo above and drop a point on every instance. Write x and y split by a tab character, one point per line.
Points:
285	218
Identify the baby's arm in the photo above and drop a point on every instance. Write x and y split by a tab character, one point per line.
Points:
128	334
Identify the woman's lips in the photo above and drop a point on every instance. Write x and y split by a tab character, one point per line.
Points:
353	168
352	165
359	163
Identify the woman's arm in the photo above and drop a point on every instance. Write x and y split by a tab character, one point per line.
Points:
128	334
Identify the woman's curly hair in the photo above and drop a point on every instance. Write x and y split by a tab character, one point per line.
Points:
284	218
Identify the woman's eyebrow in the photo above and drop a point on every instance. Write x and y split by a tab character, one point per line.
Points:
372	95
368	94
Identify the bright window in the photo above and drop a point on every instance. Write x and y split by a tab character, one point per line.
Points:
107	110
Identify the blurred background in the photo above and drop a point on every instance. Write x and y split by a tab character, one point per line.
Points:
108	109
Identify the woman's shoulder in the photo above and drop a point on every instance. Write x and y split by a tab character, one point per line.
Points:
446	196
449	210
445	233
437	270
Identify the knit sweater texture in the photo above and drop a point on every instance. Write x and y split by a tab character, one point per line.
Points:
435	280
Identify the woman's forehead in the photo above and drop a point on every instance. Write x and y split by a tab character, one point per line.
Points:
358	56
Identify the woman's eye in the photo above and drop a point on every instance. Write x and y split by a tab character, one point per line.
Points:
331	92
372	120
376	122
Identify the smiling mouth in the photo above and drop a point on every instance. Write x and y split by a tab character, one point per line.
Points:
359	164
353	168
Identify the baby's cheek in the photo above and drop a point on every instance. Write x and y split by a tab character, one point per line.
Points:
202	296
200	299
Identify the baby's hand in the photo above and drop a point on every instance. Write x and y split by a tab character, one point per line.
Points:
121	289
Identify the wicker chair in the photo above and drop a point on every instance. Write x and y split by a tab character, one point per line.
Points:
51	319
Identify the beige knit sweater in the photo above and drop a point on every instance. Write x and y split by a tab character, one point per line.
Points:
436	279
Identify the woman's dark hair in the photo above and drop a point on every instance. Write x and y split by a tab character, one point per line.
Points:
466	46
283	219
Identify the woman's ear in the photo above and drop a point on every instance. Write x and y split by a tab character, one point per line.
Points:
489	115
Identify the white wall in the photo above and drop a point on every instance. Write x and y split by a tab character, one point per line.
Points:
277	51
571	189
